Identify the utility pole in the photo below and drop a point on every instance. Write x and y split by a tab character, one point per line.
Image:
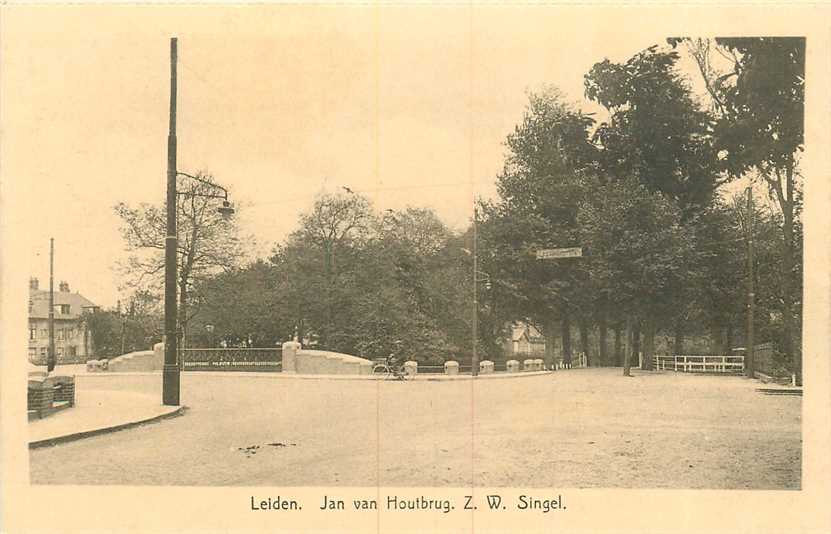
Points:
170	373
123	321
50	355
751	296
474	361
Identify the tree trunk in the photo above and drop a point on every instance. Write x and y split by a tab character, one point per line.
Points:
648	344
626	358
566	334
618	347
787	273
182	312
325	331
604	351
728	339
550	334
786	203
584	340
678	342
636	340
716	341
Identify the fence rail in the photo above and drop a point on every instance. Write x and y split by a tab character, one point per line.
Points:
700	364
232	359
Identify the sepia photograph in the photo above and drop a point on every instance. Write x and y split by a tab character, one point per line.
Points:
330	247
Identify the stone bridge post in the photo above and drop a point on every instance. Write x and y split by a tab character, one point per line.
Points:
290	350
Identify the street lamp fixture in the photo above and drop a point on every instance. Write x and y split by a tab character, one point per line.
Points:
171	370
226	209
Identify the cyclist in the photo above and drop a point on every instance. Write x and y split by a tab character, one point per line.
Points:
395	368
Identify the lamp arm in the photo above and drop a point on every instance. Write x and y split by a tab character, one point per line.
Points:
203	195
206	182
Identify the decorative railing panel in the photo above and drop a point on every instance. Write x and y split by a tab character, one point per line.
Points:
232	359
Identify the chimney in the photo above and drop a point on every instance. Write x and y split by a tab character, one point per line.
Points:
33	283
64	287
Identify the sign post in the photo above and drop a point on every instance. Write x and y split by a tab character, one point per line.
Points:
557	253
560	253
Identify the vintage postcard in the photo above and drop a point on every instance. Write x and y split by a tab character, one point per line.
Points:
387	267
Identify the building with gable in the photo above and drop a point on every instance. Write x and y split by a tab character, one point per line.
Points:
73	339
526	342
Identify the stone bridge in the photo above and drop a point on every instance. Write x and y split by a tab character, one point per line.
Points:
321	362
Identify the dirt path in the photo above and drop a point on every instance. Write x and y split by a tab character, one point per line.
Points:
577	428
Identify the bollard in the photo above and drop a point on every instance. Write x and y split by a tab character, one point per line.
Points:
512	366
486	367
411	368
451	368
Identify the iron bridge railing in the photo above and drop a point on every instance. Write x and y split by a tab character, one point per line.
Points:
232	359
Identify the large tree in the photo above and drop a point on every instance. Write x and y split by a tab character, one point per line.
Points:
658	134
318	260
241	303
548	166
208	242
136	325
639	252
758	89
358	281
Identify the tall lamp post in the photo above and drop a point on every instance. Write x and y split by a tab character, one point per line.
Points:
171	370
51	361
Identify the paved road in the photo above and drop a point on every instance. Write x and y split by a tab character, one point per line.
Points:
577	428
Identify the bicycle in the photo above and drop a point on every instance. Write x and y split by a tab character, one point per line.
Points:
389	367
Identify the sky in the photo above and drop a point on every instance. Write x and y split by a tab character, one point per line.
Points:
407	105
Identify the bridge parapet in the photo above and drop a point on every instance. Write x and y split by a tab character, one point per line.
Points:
322	362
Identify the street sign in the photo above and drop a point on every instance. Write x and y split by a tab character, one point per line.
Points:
556	253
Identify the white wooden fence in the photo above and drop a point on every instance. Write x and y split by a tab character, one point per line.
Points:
700	364
577	361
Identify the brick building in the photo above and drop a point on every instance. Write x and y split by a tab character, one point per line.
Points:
73	340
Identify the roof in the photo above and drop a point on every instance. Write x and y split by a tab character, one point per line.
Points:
518	330
39	299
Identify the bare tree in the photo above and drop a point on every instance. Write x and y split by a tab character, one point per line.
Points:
208	242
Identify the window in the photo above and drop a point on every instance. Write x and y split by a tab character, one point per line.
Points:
33	332
33	351
58	351
65	309
60	333
71	351
43	351
44	333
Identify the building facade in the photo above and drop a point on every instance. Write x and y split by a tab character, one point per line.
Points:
73	340
526	342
